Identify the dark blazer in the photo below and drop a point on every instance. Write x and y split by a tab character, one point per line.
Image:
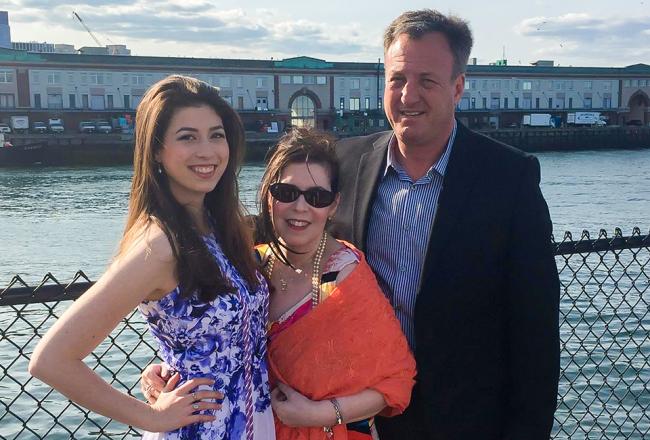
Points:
486	315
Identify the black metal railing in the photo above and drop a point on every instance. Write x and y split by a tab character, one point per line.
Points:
604	327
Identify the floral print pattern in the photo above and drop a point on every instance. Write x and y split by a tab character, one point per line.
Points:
200	339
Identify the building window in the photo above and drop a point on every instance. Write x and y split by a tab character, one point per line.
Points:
526	103
54	78
239	81
516	84
320	80
342	103
527	85
607	102
297	79
536	102
635	83
467	85
355	104
380	103
550	102
6	76
463	104
366	102
84	101
302	112
54	101
109	101
261	103
570	102
260	83
586	103
127	101
309	79
72	99
37	100
285	79
505	102
70	78
84	78
355	83
473	84
240	102
473	103
225	82
516	102
588	84
125	79
495	103
137	80
626	83
36	78
135	101
496	85
7	100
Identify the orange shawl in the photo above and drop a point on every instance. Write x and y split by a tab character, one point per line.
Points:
350	342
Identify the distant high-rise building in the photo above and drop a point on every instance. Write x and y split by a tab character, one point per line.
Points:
5	30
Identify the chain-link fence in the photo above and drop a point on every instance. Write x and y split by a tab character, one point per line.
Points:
604	326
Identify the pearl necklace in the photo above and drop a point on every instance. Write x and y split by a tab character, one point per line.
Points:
315	273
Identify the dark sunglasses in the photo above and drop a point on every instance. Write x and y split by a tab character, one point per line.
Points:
316	197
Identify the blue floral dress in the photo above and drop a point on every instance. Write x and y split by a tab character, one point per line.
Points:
225	340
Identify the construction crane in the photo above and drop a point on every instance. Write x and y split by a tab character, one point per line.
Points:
75	15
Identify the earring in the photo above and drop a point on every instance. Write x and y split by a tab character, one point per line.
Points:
159	168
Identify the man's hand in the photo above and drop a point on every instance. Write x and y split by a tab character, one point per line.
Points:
153	380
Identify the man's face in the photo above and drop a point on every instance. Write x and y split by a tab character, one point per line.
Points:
420	95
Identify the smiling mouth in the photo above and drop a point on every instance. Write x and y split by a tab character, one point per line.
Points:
298	223
410	113
203	170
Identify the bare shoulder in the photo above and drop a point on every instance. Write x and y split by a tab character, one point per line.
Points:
148	256
342	260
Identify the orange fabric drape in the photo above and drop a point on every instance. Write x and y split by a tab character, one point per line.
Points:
350	342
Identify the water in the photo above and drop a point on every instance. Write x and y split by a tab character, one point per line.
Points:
60	220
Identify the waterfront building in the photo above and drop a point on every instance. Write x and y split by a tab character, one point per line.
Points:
340	96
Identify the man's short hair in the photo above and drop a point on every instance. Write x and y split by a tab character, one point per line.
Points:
416	24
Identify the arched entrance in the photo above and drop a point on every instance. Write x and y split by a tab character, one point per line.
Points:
302	112
638	104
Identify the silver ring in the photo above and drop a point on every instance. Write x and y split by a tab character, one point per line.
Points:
194	397
195	406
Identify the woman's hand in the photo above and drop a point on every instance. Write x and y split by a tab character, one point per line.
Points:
183	406
296	410
153	380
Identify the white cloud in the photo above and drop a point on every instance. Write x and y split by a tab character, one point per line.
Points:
583	37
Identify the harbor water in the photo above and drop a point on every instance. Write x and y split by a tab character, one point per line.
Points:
60	220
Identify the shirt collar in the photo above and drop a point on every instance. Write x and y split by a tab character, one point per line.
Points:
440	166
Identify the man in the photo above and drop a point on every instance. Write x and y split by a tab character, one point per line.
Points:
457	231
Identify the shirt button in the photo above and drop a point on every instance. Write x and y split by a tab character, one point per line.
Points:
402	269
407	227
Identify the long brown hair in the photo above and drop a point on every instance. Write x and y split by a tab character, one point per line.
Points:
300	145
152	201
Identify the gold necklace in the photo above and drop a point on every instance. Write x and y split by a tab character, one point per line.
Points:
315	274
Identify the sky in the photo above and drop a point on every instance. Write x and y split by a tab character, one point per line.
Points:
570	32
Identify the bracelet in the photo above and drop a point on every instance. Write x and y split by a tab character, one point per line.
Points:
339	419
337	408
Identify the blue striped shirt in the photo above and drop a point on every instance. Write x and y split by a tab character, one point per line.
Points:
401	219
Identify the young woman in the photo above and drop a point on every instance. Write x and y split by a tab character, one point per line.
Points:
185	262
337	355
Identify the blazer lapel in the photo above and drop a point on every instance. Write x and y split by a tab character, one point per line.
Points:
370	169
458	182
